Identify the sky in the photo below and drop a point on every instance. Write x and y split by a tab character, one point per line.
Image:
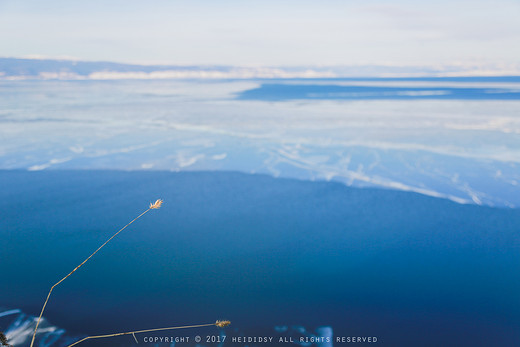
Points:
265	33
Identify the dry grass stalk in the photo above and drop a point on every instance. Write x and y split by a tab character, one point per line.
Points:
218	323
157	204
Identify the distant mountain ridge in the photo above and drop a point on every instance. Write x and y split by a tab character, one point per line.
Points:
14	68
34	67
62	69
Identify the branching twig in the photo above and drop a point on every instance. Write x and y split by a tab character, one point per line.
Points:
3	340
155	205
218	323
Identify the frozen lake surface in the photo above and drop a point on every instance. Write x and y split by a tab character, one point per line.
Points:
261	252
458	139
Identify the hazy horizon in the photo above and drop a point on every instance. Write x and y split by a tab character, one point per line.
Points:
69	68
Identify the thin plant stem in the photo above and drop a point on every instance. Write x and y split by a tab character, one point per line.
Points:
141	331
156	205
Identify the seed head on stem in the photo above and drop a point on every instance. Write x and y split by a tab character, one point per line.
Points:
157	204
222	323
